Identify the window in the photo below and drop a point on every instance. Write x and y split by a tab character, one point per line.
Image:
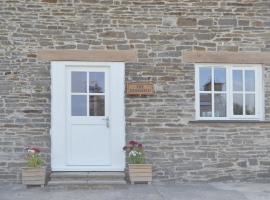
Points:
229	92
87	93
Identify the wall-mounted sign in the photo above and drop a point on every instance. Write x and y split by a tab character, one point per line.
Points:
140	89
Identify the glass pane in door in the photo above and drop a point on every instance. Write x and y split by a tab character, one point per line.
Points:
78	82
96	82
78	105
97	105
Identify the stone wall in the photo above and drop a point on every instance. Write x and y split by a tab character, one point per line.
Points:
160	30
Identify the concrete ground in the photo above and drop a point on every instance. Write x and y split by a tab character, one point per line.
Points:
213	191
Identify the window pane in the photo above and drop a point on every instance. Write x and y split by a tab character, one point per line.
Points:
96	82
220	105
250	80
78	105
250	104
238	104
205	79
78	81
205	105
220	79
237	80
96	105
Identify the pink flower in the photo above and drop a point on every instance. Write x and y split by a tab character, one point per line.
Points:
133	145
132	142
32	149
37	150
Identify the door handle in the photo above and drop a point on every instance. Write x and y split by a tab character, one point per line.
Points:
107	119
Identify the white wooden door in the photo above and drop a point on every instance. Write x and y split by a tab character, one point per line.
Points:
87	116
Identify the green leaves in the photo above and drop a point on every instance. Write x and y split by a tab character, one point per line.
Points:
135	152
136	156
34	160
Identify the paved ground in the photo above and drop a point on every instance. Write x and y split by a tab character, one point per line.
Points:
217	191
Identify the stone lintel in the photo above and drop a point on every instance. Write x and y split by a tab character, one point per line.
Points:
88	55
227	57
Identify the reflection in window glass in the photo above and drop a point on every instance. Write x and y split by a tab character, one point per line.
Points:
97	105
228	92
205	79
220	79
78	82
250	80
250	104
96	82
220	105
205	105
238	104
78	105
237	80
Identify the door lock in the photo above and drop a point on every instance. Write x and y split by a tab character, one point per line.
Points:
107	119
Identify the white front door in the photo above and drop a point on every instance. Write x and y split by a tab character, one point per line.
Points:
87	116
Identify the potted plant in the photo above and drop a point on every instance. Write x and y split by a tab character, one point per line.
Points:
35	172
138	171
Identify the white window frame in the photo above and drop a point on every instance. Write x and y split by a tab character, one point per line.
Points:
259	92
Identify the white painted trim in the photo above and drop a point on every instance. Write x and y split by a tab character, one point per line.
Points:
259	92
57	110
58	113
100	168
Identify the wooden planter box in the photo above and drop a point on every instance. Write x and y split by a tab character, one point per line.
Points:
34	176
140	173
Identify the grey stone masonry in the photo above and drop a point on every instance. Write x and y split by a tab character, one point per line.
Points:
160	31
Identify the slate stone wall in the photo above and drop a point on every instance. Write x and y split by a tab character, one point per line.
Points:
160	30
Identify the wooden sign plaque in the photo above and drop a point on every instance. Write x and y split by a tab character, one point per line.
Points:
140	89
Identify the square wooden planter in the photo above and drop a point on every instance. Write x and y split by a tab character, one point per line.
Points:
34	176
140	173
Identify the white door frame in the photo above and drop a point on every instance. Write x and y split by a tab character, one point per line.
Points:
58	115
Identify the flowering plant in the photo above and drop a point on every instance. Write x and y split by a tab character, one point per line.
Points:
135	152
33	157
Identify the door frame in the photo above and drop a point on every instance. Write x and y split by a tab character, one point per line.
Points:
58	115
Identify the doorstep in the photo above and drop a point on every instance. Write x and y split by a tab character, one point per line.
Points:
86	179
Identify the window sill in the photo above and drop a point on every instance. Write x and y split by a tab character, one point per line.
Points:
229	121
